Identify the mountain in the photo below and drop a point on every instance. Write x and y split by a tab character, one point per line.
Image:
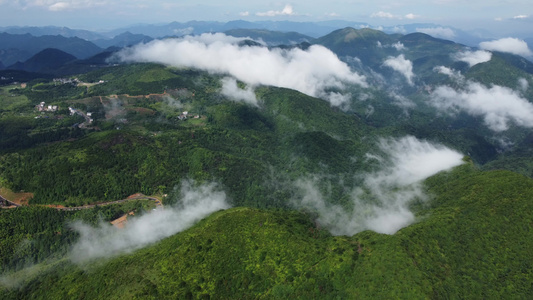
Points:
198	27
123	40
379	175
366	44
11	56
98	59
52	30
308	28
22	47
471	37
456	250
46	61
421	57
58	63
272	38
172	29
374	46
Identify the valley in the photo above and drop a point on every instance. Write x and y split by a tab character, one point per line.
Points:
359	164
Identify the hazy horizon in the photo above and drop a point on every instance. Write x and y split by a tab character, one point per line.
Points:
100	15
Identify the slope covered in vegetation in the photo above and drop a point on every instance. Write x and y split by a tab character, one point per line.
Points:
295	168
473	239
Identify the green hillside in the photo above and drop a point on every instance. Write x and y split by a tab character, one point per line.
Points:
293	168
473	240
230	142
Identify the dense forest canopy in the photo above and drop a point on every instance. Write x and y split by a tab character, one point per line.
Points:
389	179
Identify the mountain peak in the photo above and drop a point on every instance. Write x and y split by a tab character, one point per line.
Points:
352	33
354	36
45	61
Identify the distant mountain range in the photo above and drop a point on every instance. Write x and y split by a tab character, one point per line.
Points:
122	40
73	55
271	37
46	61
313	29
19	47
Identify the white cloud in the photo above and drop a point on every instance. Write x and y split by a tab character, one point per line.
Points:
310	71
232	91
402	65
388	15
473	58
338	99
209	39
413	160
383	15
438	32
63	5
509	45
450	73
107	241
521	17
286	11
382	203
244	14
523	84
398	46
498	105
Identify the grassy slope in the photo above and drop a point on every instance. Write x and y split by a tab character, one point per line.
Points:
474	240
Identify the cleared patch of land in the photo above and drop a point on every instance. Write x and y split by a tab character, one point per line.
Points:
18	198
122	221
11	101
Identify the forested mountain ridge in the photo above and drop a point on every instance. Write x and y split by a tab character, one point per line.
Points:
460	248
27	45
370	188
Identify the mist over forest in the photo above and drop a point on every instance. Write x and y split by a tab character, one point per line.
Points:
253	163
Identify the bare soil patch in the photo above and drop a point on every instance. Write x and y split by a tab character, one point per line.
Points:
18	198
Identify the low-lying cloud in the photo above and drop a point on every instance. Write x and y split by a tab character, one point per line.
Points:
312	71
509	45
382	202
402	65
453	74
499	106
523	84
107	241
473	58
231	90
399	46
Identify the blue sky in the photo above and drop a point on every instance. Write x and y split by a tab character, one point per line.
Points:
510	15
